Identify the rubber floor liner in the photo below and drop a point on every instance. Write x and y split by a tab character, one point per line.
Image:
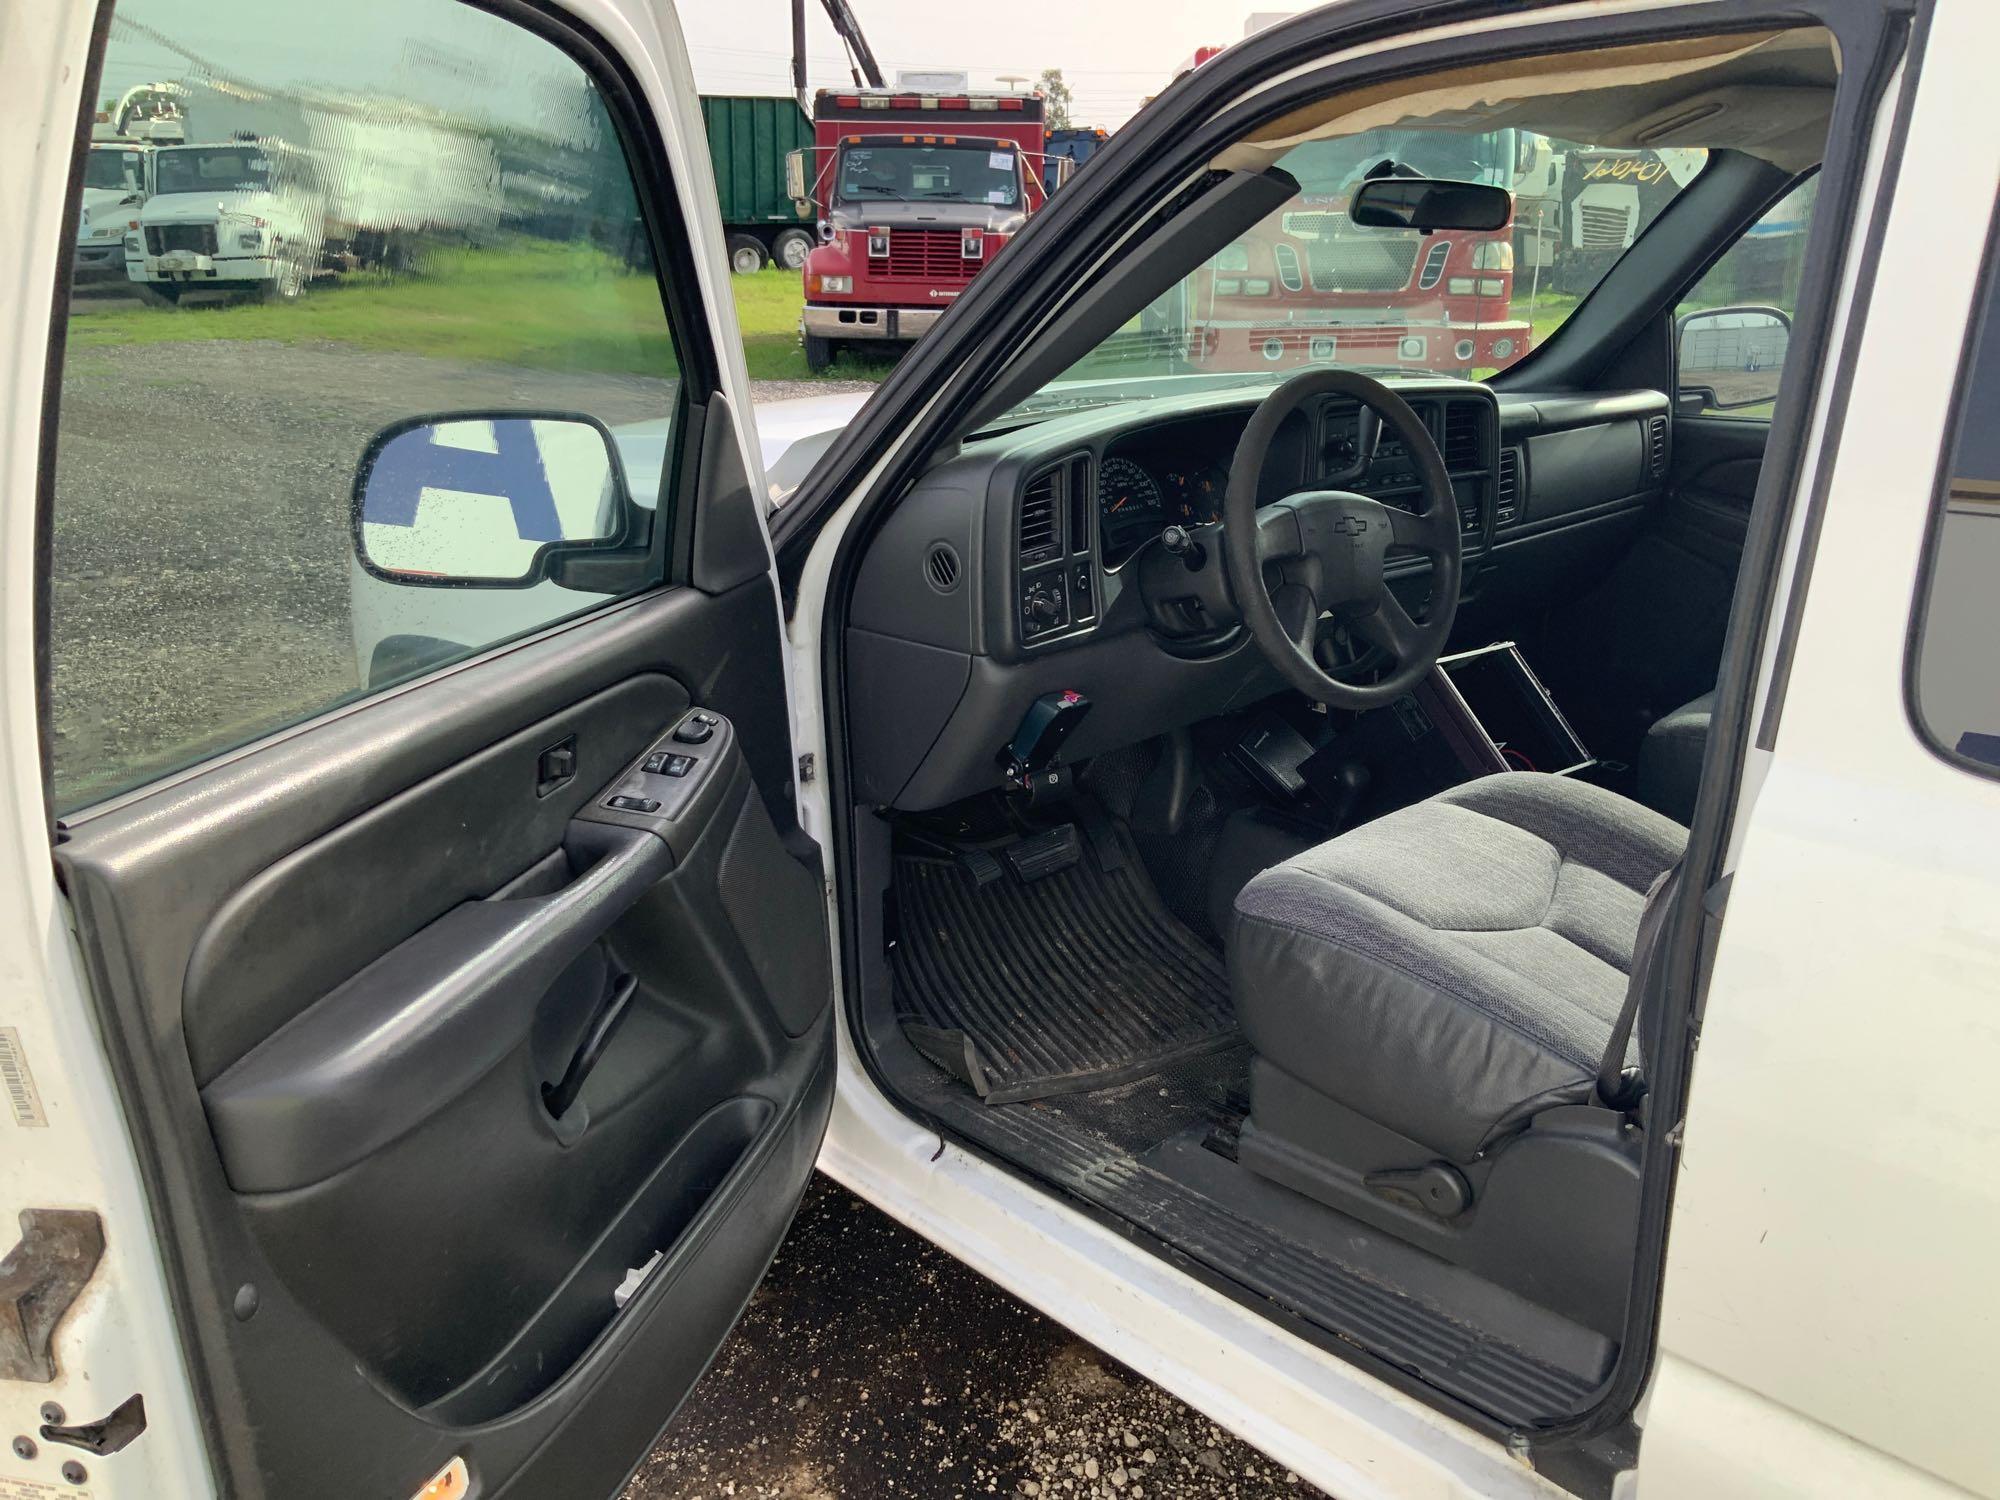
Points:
1079	980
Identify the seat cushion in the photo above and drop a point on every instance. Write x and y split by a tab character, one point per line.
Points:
1451	968
1670	759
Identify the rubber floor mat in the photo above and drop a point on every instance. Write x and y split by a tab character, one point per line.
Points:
1079	980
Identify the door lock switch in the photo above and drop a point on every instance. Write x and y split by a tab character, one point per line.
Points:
628	803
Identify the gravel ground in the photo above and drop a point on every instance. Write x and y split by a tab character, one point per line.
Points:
871	1363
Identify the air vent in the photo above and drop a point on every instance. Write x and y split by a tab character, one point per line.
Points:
1041	541
1289	276
1656	446
1434	260
1082	494
1462	445
1507	490
941	567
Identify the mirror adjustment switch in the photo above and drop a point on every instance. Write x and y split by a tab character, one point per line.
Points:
694	732
633	804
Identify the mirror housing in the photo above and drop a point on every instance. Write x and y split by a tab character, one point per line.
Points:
1429	203
1727	358
491	500
795	178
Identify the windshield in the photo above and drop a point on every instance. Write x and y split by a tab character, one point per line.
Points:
977	173
1307	286
124	170
217	169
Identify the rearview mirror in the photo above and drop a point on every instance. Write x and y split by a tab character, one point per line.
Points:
795	176
487	500
1730	357
1428	203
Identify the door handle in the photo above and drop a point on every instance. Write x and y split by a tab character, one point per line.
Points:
420	1025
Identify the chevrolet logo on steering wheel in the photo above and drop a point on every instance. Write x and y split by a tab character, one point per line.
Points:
1350	526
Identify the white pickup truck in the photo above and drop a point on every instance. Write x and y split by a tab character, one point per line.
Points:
1452	924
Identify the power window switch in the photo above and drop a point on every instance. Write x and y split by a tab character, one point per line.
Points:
656	763
634	804
676	765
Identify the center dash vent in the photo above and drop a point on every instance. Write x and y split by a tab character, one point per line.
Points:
1507	489
1656	446
1463	445
941	567
1041	540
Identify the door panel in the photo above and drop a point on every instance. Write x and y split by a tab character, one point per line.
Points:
344	971
1648	637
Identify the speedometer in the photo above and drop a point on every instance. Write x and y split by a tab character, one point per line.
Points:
1128	506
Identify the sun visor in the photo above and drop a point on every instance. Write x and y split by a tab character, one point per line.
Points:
1769	94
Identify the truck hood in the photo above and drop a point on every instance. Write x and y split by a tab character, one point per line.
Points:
205	208
930	214
105	207
791	436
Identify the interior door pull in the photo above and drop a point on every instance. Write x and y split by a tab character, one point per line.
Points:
617	1000
422	1024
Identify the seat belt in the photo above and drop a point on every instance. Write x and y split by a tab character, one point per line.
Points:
1617	1086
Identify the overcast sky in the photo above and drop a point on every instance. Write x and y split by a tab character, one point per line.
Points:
1113	53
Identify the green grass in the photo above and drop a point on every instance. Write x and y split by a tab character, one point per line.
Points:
531	303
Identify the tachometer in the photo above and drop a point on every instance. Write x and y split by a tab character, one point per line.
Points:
1128	503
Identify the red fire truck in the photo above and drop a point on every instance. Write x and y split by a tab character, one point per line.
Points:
1307	286
913	193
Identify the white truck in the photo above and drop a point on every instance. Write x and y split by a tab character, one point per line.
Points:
274	189
117	181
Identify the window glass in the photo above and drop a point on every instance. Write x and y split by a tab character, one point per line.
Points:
1308	286
1735	328
373	216
1957	688
929	174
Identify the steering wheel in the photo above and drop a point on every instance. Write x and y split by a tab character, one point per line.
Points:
1322	551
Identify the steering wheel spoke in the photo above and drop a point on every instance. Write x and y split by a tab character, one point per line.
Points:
1390	627
1425	532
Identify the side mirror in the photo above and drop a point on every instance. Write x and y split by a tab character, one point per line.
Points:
1731	357
488	500
1428	203
795	176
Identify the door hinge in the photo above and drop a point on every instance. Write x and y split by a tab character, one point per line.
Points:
807	765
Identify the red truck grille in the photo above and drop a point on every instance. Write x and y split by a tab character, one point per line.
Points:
932	256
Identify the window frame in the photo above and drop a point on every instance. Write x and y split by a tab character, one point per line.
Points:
667	557
1917	629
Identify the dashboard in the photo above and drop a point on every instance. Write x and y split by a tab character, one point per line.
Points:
1011	567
